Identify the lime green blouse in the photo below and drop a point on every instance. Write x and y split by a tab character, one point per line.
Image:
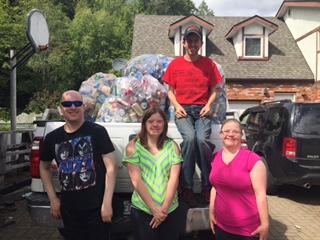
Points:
155	173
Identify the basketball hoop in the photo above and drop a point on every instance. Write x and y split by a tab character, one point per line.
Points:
37	31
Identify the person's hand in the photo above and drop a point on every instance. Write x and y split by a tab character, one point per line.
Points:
158	217
55	208
212	220
262	231
106	212
205	111
180	112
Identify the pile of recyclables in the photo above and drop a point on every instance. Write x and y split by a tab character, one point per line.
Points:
109	98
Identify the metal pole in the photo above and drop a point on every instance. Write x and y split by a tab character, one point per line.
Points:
13	96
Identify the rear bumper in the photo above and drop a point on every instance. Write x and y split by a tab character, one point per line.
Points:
193	219
299	174
310	179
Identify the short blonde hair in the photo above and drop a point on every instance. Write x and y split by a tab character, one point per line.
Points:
233	120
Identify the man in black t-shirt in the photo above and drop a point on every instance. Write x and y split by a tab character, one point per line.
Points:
87	172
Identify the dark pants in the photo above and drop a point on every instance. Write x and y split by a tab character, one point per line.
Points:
169	229
223	235
84	225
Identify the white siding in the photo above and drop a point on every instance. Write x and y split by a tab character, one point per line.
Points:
237	42
308	47
253	29
302	20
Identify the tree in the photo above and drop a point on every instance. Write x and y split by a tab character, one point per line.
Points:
167	7
204	10
97	37
42	70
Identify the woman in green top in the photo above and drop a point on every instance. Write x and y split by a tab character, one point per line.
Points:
154	163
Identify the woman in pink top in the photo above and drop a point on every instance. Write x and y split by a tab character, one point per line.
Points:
238	202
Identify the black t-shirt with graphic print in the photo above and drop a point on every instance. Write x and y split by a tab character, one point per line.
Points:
81	168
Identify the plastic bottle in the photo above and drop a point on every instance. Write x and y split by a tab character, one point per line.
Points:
136	107
171	112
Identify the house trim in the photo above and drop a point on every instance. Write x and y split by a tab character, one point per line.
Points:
286	4
188	19
246	58
317	54
253	20
317	29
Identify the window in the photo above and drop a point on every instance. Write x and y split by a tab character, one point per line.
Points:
307	119
275	119
284	96
254	121
253	47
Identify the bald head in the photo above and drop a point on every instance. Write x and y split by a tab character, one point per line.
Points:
71	94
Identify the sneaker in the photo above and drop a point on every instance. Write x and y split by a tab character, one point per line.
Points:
188	197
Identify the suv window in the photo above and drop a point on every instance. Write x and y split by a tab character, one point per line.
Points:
307	119
275	120
254	120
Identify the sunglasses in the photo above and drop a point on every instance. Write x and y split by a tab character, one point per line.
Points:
68	104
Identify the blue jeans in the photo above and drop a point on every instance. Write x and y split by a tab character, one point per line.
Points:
196	145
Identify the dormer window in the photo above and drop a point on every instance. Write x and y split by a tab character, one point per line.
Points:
251	38
177	29
252	46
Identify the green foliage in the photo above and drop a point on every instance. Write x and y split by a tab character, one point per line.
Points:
97	38
4	127
44	70
204	10
42	100
85	37
4	114
167	7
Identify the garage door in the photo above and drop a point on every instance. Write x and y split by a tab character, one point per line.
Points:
240	106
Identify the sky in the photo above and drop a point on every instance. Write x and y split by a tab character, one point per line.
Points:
264	8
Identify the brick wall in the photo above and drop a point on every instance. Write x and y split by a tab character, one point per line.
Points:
266	91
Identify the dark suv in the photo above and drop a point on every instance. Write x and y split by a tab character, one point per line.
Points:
287	136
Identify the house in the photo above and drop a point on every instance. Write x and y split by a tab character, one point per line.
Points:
303	21
264	58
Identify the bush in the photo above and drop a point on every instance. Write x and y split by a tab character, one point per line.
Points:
4	114
42	100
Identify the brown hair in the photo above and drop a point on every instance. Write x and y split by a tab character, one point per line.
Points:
143	135
232	120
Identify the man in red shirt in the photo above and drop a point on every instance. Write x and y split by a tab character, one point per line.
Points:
192	81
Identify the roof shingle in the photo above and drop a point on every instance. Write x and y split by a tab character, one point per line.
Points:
286	61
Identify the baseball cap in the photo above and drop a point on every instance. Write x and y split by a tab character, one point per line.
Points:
193	29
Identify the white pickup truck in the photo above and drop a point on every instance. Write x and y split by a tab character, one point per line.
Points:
120	134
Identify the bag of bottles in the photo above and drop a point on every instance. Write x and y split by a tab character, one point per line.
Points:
152	64
132	98
95	91
219	107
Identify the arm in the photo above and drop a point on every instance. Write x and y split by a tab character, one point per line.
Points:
207	108
141	189
180	112
46	178
259	182
110	181
211	208
172	184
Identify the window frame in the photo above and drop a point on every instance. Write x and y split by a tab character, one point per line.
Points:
245	46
